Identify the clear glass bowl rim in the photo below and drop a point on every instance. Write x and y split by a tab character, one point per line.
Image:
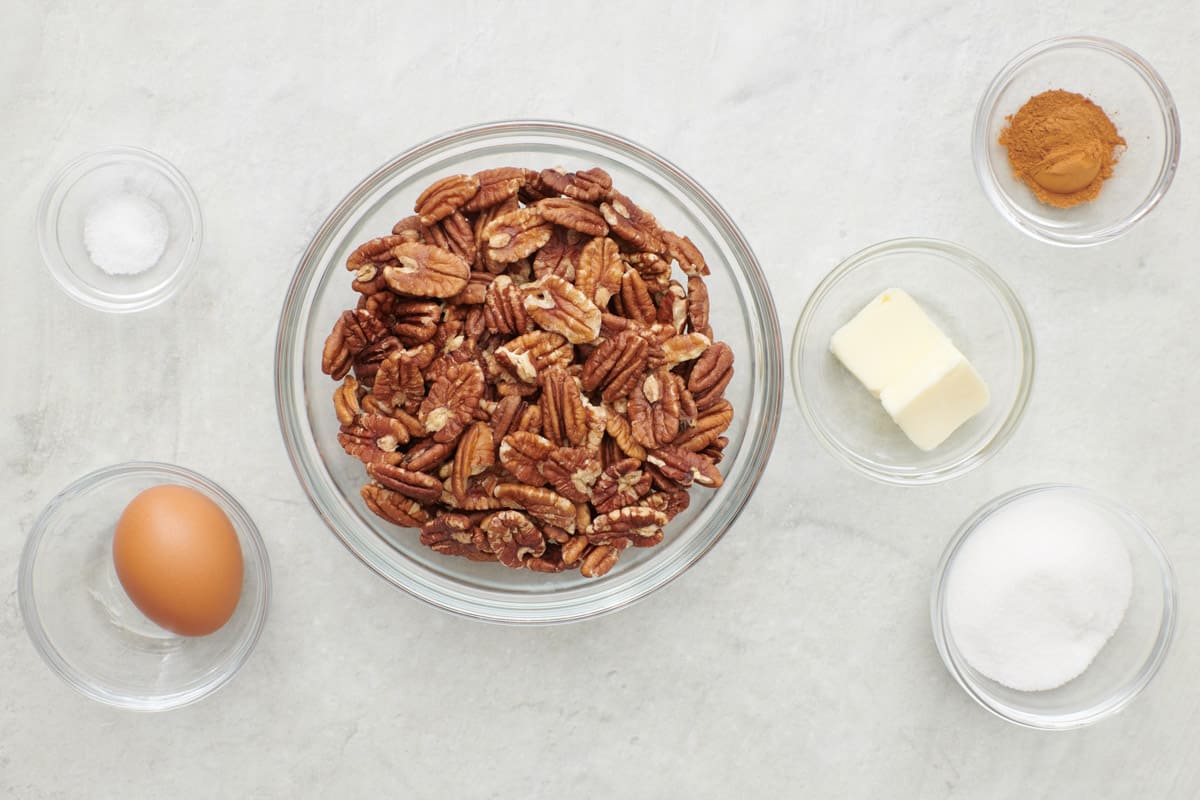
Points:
981	270
980	142
1120	699
759	442
47	223
78	680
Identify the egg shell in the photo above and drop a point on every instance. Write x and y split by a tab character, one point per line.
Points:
178	558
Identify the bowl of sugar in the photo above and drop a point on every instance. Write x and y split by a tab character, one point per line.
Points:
119	229
1054	606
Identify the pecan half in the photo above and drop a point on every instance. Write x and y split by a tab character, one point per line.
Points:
513	538
574	547
711	375
426	454
541	504
476	452
573	215
509	417
600	269
346	402
634	300
710	424
589	185
615	366
414	321
632	224
375	252
681	348
452	401
685	467
399	382
409	229
672	307
535	188
654	409
618	426
716	449
367	362
671	502
654	269
495	186
454	233
697	306
571	472
482	221
599	560
419	486
685	254
556	305
445	196
365	448
632	522
526	356
387	433
564	420
393	506
621	484
353	332
560	255
522	452
504	308
515	235
455	535
423	270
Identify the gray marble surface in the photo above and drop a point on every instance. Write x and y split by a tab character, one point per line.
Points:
794	660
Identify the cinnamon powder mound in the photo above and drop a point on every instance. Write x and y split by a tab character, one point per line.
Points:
1062	146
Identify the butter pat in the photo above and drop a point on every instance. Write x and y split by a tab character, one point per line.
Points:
885	340
936	396
925	383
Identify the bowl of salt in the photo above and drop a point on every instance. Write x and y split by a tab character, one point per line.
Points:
119	229
1054	606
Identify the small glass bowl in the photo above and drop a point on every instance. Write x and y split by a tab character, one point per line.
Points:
969	302
1126	664
742	314
1130	92
86	628
70	197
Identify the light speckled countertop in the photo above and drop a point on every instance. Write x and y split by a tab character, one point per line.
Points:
794	660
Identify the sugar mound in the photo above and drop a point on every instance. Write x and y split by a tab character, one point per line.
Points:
1037	590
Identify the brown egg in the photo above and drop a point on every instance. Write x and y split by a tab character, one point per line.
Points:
179	559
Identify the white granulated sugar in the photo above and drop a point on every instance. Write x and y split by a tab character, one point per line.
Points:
125	233
1037	590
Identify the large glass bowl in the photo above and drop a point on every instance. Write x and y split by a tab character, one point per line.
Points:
742	315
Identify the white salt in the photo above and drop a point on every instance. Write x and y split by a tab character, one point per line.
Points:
125	233
1037	590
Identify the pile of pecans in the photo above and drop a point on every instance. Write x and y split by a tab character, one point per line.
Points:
522	377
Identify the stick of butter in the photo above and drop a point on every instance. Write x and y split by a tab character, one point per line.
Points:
926	385
937	395
885	340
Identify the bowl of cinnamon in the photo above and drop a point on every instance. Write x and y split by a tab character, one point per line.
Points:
1076	140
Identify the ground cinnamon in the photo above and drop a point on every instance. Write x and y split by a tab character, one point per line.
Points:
1063	146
